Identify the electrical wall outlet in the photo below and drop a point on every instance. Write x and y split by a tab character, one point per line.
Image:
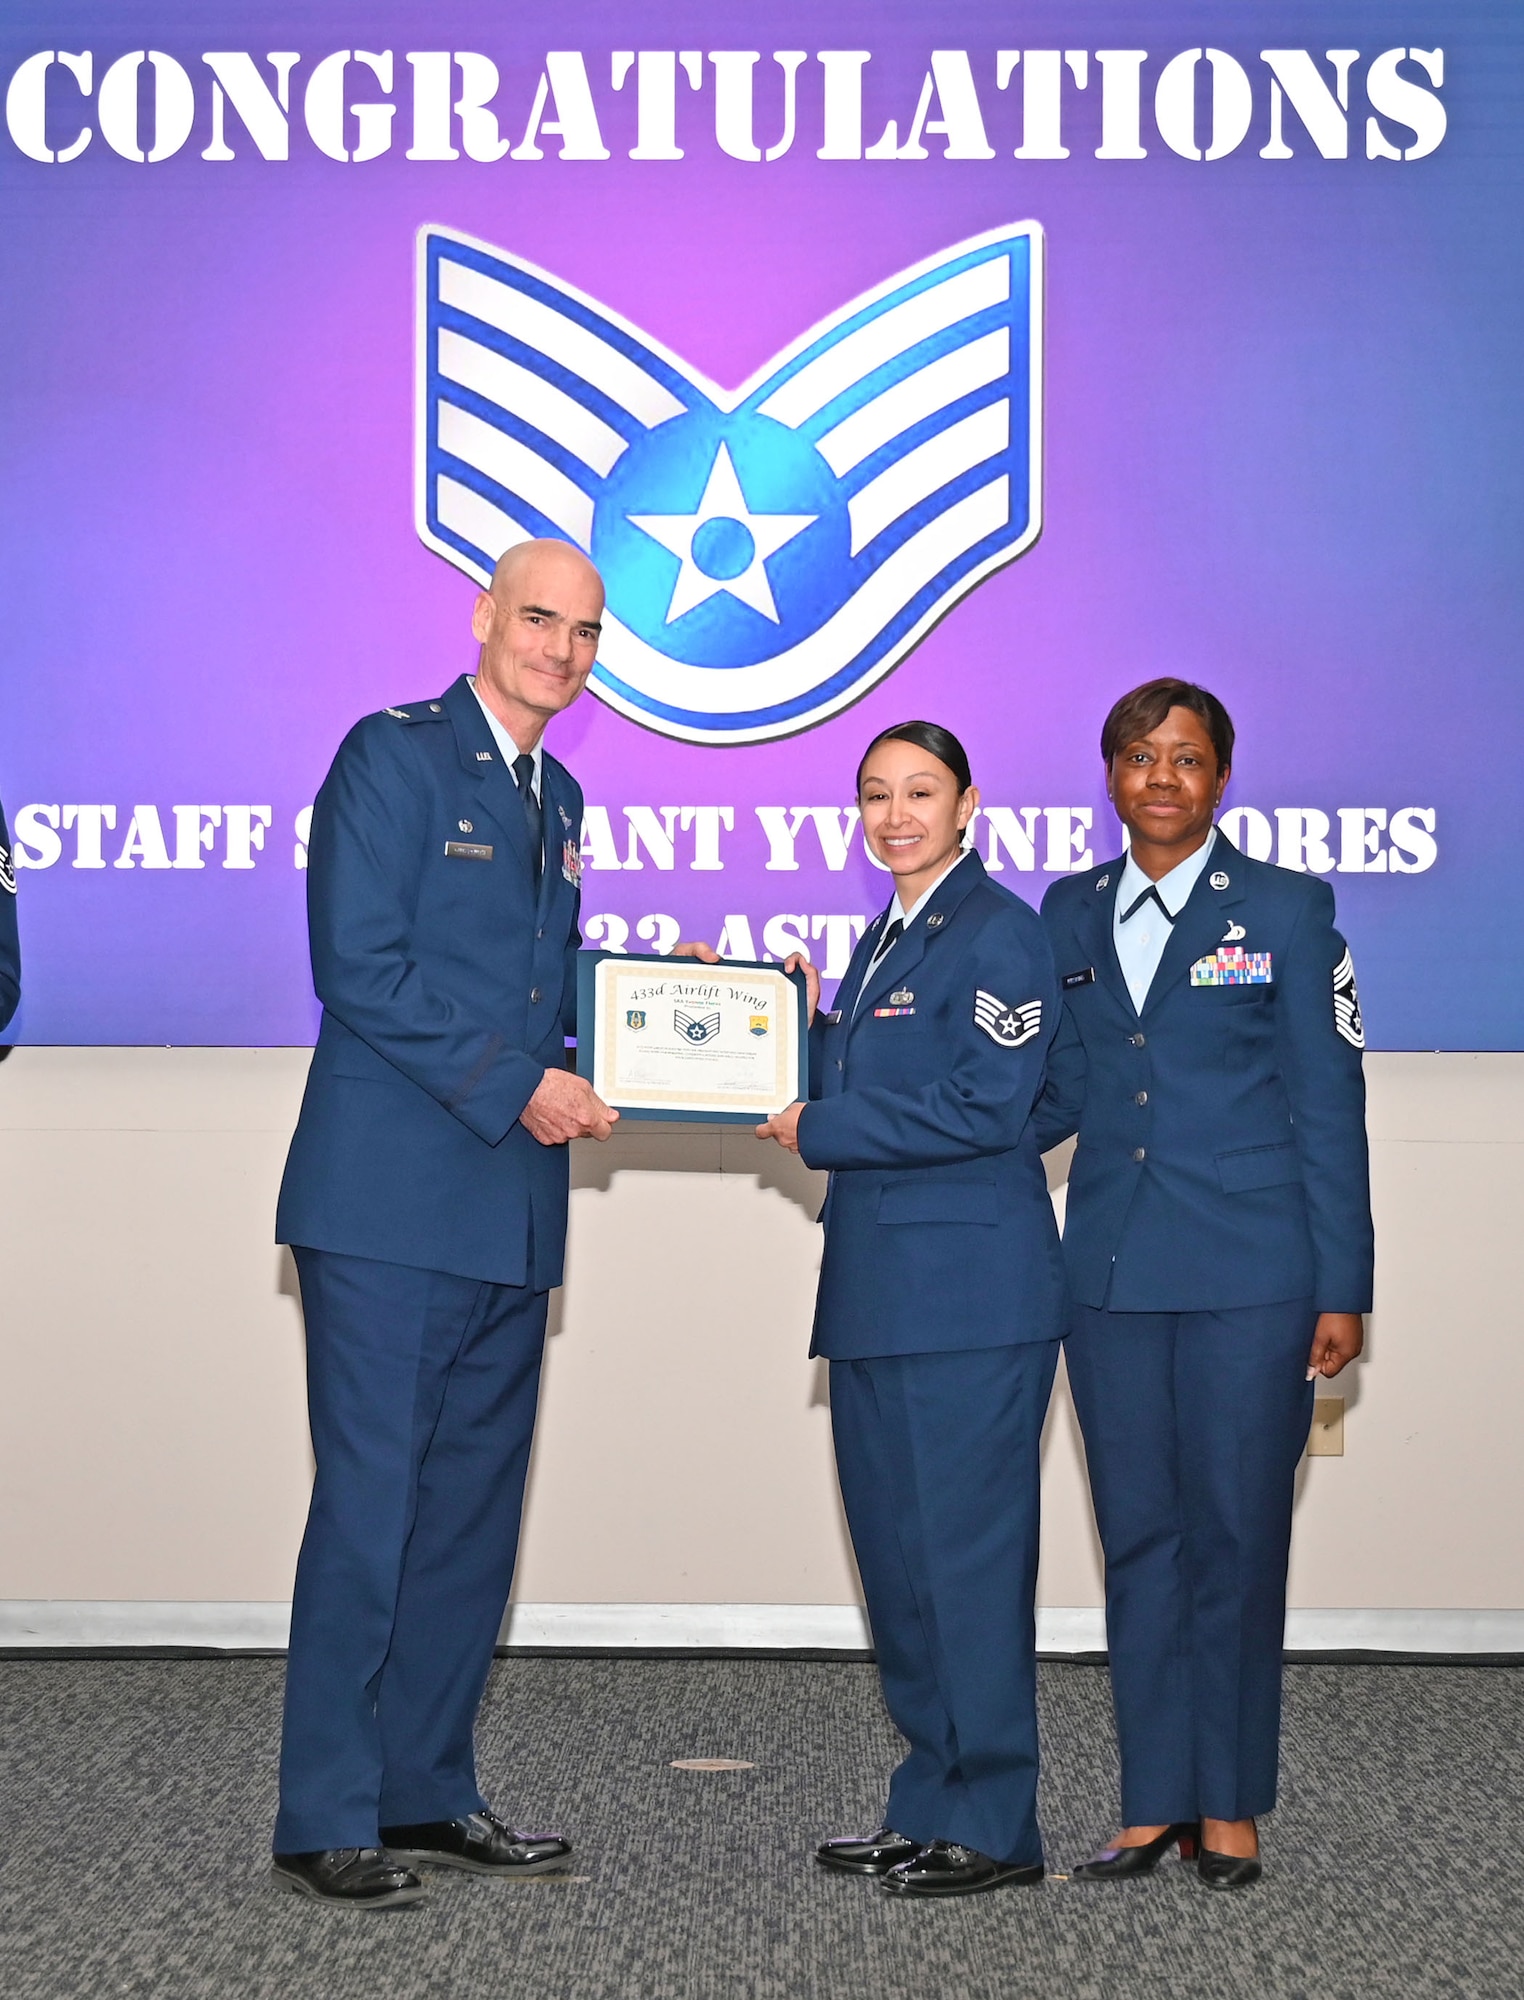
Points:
1326	1439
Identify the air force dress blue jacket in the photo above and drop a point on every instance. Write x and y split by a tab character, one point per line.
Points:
1222	1153
448	986
939	1233
10	949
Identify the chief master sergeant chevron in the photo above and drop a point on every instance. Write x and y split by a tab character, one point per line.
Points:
425	1201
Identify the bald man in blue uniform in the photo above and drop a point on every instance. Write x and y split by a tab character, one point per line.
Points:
425	1201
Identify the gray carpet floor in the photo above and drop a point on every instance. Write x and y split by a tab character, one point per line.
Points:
137	1798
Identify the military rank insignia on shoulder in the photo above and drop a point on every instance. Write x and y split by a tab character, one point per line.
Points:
1009	1026
1346	1003
397	714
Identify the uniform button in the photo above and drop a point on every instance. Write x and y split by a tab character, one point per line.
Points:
838	1062
1140	1152
433	708
1141	1098
1136	1040
534	994
540	932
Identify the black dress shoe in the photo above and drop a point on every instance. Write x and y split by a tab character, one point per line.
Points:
480	1843
867	1853
943	1868
1122	1864
350	1878
1228	1871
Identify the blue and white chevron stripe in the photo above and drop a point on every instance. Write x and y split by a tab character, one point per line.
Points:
772	551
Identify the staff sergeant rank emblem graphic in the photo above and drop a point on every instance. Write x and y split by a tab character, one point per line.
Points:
1007	1025
770	551
696	1028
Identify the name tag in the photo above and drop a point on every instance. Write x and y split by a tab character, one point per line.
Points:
466	850
833	1019
1072	979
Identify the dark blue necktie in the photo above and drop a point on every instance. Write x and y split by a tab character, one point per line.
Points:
523	773
892	935
1150	894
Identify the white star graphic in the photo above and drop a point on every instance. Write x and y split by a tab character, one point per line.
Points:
722	500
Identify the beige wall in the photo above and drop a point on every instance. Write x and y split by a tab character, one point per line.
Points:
152	1444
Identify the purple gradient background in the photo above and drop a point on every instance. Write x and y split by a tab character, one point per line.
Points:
1283	456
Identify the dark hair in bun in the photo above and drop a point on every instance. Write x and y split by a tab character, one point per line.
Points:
931	737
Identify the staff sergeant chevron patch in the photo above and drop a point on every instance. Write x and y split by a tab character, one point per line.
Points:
1010	1026
1346	1003
770	551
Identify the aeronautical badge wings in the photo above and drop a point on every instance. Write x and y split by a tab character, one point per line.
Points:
1346	1003
770	551
1010	1026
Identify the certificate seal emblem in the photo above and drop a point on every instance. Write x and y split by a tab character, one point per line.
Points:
696	1028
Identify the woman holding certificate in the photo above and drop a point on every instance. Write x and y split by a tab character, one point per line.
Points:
940	1309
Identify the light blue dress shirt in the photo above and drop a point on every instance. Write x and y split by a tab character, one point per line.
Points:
1140	939
507	749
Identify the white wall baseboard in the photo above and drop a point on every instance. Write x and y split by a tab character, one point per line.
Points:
84	1622
829	1627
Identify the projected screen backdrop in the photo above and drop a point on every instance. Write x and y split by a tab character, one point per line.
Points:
963	361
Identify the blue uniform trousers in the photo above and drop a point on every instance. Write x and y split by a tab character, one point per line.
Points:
1194	1424
422	1389
938	1460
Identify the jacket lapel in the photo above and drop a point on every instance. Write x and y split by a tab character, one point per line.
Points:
498	794
899	966
1095	931
555	815
857	967
1203	923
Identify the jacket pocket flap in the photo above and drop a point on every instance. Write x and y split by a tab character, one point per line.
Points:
1258	1167
938	1201
359	1062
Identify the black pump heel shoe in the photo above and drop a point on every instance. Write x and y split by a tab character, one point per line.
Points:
1122	1864
1228	1871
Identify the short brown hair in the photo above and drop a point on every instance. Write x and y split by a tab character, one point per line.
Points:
1140	713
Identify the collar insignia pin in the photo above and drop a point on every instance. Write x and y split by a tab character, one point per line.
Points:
484	756
935	921
1218	879
1101	884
